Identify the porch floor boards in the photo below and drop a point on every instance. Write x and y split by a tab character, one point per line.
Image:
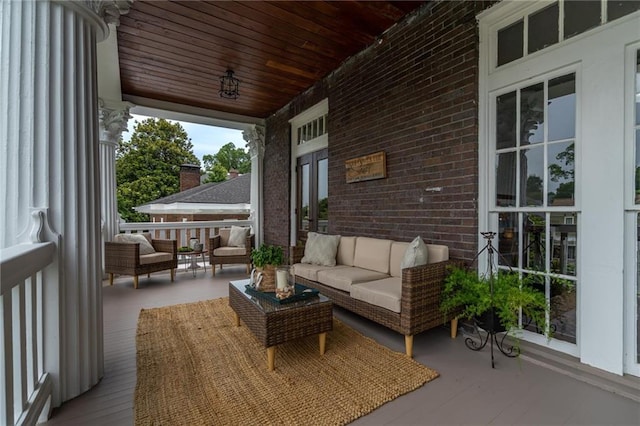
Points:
468	391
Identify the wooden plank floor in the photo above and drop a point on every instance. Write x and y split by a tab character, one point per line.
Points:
468	390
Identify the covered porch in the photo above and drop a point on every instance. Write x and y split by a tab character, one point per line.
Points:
430	85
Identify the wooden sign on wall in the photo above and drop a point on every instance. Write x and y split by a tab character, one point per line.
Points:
368	167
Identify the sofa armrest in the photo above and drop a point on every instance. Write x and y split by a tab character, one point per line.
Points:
121	255
166	246
422	289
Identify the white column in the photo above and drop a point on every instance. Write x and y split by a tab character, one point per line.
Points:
255	143
113	121
49	145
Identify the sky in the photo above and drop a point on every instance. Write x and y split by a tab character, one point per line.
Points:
205	139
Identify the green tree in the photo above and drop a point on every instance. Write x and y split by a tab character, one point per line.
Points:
229	157
148	165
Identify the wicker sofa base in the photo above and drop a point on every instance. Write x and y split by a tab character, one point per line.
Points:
420	304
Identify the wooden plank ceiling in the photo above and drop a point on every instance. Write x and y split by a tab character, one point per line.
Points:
176	51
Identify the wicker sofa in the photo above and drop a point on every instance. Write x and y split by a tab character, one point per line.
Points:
124	256
367	280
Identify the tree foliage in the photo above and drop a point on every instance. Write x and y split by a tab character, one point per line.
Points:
148	165
229	157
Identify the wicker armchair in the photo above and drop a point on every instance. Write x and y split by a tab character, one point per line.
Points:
124	258
221	254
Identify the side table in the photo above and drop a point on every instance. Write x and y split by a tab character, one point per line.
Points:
193	255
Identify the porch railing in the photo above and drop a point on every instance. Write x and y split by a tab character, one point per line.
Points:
182	232
25	387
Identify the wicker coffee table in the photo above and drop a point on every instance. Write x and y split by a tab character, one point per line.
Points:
274	323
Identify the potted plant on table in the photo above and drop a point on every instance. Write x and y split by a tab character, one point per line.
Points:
265	259
468	295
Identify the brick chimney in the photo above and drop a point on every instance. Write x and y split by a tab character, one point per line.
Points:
189	176
233	173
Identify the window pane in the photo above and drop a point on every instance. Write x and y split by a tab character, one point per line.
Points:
543	28
637	166
564	238
534	241
561	108
532	172
321	126
638	287
323	196
580	16
638	88
532	114
506	121
506	179
619	8
508	239
305	186
510	43
560	185
563	309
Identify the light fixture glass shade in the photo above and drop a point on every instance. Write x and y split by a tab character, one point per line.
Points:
229	86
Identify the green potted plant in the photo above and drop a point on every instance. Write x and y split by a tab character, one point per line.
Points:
467	295
265	259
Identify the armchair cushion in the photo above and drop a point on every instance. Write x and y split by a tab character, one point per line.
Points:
230	251
145	245
238	236
146	259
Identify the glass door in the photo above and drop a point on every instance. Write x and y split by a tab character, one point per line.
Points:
312	211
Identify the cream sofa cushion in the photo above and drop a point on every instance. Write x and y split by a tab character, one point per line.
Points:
437	253
373	254
346	251
310	272
321	249
397	254
230	251
156	257
343	278
145	245
386	293
237	236
416	254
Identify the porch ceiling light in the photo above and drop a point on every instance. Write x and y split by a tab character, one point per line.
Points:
229	86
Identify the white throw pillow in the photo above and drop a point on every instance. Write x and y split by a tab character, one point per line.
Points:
415	255
321	249
145	245
237	236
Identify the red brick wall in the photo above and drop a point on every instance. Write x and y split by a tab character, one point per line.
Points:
414	97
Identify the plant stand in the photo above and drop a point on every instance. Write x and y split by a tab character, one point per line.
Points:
491	332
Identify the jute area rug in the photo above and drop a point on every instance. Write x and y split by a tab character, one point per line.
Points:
195	367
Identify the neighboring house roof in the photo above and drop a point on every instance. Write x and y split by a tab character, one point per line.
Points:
230	196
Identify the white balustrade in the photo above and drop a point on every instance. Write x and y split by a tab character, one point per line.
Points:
182	232
25	386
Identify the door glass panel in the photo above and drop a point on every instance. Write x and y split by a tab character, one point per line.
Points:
506	121
562	310
323	196
638	289
532	166
543	28
506	179
534	241
508	239
560	184
580	16
561	114
305	183
510	43
532	114
619	8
